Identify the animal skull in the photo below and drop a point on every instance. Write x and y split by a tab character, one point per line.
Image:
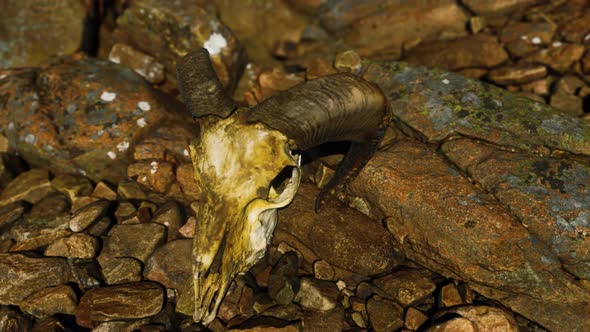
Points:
245	166
235	164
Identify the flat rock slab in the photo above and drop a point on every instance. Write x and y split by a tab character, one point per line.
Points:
129	301
334	234
135	240
23	275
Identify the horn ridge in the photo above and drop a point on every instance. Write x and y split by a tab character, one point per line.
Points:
200	88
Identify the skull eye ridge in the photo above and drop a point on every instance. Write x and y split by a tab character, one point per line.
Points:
281	182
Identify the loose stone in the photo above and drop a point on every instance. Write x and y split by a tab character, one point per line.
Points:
75	246
317	294
88	214
50	301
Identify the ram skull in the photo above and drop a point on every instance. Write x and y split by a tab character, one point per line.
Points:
247	166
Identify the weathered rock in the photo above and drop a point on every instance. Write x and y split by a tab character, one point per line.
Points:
478	318
123	325
129	301
380	28
185	176
155	175
25	33
330	320
497	7
102	190
567	103
322	270
407	287
11	320
519	74
23	275
143	64
267	324
120	270
92	135
30	186
73	246
169	30
171	264
88	214
131	190
450	296
288	312
86	273
188	229
414	318
136	240
348	61
459	53
317	294
172	216
283	281
439	105
559	57
100	227
10	213
39	241
449	226
72	185
50	301
334	235
576	30
384	315
238	304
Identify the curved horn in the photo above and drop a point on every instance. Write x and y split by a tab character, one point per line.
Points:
201	90
339	107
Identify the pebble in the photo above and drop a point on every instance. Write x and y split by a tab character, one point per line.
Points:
33	274
171	264
136	240
560	58
414	318
449	296
283	281
129	190
171	215
384	315
102	190
518	74
121	270
30	186
72	185
49	301
406	286
188	229
143	64
317	294
323	270
478	318
348	62
77	245
88	214
119	302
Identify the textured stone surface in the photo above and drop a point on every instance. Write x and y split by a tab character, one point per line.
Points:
333	234
317	294
330	320
559	58
25	32
478	318
120	270
73	246
171	264
407	287
136	240
88	214
30	186
459	53
50	301
12	320
143	64
384	315
172	216
283	281
129	301
23	275
498	6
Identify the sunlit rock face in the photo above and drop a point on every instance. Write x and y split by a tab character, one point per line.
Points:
245	172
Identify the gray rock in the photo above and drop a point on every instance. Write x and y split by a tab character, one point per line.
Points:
317	294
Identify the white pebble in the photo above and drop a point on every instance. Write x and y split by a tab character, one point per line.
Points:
556	44
154	165
215	43
341	284
141	122
144	106
186	152
11	125
108	96
587	37
536	40
112	155
446	81
123	146
3	76
115	59
30	139
143	178
100	132
524	37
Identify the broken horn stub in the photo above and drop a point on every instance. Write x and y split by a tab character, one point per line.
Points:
339	107
200	88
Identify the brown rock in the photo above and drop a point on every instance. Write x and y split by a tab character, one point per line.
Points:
185	176
125	210
283	281
12	320
72	185
408	287
86	273
348	61
334	235
560	58
39	241
382	30
567	103
10	213
317	294
102	190
30	186
88	214
136	240
569	84
26	31
131	190
121	270
171	264
519	74
414	318
81	202
322	270
459	53
129	301
479	318
23	275
50	301
318	67
331	320
172	216
522	38
74	246
384	315
143	64
449	296
539	87
586	63
497	7
267	324
290	312
575	30
188	229
155	175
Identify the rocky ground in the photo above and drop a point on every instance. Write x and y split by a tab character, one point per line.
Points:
473	216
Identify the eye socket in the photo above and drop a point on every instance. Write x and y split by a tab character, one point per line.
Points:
281	181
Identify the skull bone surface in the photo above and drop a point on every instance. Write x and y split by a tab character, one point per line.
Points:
246	172
245	167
